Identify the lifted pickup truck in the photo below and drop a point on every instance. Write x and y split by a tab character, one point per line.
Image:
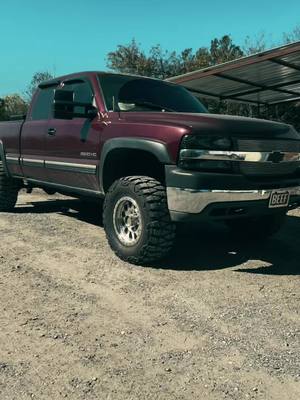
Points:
155	155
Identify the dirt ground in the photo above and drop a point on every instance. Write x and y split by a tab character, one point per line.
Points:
217	320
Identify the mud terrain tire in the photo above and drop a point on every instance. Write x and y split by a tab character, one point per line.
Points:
9	189
136	219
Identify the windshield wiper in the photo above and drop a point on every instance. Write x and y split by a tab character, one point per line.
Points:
153	106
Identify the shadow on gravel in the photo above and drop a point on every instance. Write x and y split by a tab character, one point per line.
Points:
87	211
209	247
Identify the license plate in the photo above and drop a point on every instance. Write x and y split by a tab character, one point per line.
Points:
279	199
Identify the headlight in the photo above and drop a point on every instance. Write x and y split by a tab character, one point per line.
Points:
192	146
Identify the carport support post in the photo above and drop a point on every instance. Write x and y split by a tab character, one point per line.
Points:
268	111
258	110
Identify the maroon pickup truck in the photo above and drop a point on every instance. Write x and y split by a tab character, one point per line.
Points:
155	155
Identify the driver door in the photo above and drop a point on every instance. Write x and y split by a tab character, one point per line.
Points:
72	145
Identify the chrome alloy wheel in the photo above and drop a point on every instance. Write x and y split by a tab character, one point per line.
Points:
127	221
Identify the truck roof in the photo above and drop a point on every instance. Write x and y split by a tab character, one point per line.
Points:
56	81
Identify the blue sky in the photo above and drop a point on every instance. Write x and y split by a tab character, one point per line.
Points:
73	35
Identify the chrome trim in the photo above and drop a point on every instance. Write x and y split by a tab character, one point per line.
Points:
60	165
195	201
69	164
33	160
65	166
12	160
249	156
30	162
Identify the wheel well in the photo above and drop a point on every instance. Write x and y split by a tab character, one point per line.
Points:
129	162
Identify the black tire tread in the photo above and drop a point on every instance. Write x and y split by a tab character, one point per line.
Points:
160	229
9	189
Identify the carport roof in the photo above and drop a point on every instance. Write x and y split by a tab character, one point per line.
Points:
270	77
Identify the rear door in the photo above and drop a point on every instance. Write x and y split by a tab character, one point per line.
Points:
72	145
33	135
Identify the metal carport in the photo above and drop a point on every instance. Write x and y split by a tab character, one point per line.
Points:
266	78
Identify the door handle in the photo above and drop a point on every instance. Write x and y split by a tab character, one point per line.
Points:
52	131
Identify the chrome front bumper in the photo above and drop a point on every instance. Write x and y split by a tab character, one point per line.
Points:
195	201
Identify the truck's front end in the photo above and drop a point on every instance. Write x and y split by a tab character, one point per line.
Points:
235	168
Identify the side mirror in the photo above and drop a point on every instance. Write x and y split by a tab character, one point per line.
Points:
64	106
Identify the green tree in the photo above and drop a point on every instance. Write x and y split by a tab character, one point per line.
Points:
12	105
160	63
223	50
188	61
129	59
37	78
163	63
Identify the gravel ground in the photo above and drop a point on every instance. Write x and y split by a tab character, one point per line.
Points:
217	320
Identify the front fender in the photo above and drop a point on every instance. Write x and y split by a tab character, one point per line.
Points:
157	149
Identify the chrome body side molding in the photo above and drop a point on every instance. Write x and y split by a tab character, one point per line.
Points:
32	162
59	165
13	160
73	167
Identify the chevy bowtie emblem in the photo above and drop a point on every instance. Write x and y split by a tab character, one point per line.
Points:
276	157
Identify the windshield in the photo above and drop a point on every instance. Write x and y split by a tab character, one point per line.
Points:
130	93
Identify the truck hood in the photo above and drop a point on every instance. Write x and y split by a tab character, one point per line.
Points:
215	124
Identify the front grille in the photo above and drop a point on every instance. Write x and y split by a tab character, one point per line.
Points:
268	145
266	169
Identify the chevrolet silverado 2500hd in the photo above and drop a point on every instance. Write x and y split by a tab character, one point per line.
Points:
155	155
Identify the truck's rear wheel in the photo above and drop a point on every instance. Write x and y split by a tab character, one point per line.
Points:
257	227
136	219
9	189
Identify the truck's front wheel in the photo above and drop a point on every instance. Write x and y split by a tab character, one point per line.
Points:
257	227
136	219
9	189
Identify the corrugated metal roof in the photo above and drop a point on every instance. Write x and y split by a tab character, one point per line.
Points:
270	77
